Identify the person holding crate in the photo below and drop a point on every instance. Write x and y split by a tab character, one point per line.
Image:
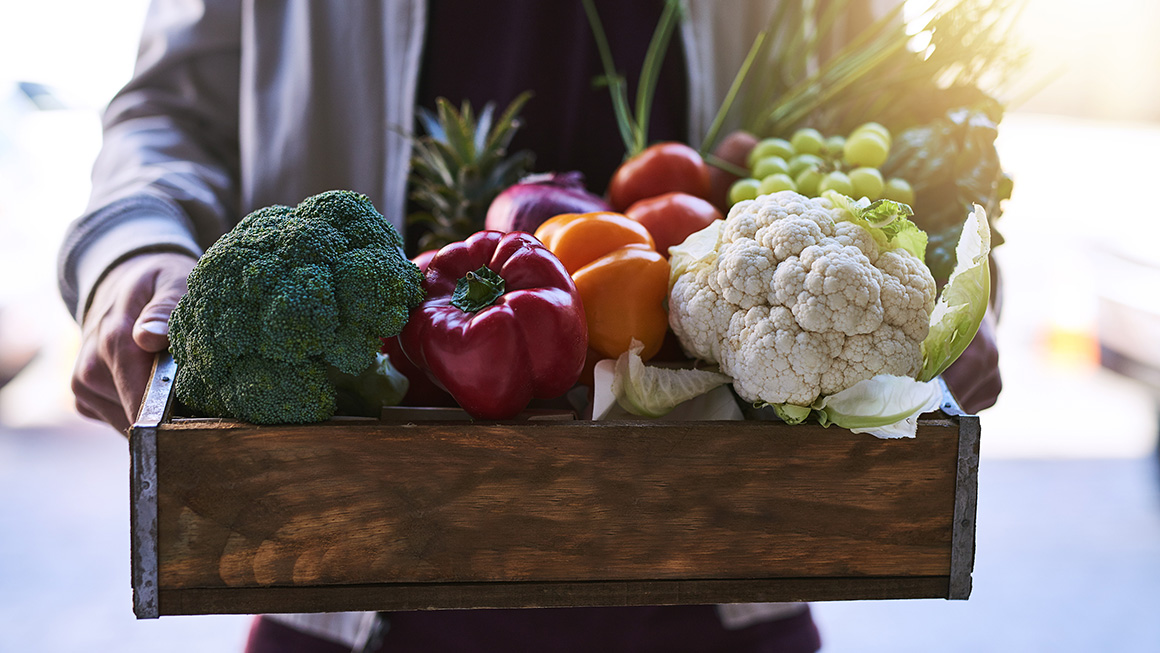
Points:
237	105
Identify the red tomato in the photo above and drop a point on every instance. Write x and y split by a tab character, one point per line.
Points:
671	217
660	168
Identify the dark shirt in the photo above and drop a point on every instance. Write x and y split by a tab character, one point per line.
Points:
492	51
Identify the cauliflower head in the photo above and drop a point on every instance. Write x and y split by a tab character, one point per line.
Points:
796	298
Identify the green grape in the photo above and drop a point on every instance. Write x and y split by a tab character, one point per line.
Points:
743	189
867	183
836	181
803	161
866	149
875	128
834	146
899	190
778	181
807	181
768	166
807	141
770	147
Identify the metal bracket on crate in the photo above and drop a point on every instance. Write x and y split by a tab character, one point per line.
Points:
966	499
143	486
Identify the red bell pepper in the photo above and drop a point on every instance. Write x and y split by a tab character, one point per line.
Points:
502	324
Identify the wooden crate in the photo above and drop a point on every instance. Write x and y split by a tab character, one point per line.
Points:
363	514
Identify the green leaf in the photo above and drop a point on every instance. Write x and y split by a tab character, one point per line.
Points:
885	406
615	81
651	391
459	135
791	414
887	221
727	102
505	128
634	130
651	68
960	308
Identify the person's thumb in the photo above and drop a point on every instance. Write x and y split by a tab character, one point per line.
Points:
151	330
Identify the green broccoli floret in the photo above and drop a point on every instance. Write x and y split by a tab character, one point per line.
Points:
286	303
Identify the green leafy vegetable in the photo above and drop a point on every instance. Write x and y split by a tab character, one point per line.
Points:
952	164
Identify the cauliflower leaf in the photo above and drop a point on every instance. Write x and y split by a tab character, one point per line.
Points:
885	406
651	391
886	220
963	302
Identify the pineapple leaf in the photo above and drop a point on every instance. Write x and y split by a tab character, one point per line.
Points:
483	128
505	128
430	123
459	166
458	140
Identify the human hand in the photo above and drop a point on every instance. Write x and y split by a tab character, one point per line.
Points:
974	377
126	325
734	148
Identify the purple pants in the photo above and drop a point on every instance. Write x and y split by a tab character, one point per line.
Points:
561	630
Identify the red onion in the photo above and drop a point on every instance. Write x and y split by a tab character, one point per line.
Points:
526	205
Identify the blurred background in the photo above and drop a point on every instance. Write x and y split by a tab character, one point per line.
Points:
1068	554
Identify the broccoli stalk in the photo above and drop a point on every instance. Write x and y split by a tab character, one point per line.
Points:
285	299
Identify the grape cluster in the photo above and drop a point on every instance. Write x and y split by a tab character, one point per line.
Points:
810	163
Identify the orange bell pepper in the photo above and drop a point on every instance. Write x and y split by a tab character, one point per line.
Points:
623	281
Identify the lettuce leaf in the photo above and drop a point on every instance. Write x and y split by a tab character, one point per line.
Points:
960	308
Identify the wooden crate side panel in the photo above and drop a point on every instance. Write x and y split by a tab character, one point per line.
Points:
456	596
251	507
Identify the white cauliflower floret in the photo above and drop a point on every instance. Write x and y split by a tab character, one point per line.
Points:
906	297
886	351
797	301
851	234
789	236
771	356
706	316
744	279
839	290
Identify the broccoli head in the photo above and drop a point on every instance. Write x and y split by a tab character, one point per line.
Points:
285	300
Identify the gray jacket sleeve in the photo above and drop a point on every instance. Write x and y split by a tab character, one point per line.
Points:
166	178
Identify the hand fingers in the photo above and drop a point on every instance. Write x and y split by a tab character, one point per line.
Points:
108	412
95	391
127	323
130	372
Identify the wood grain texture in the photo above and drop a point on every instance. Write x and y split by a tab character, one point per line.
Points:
428	504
